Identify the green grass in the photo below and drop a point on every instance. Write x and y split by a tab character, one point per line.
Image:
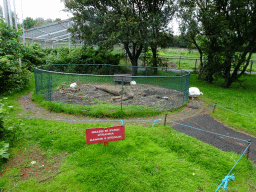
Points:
236	98
101	110
149	159
184	62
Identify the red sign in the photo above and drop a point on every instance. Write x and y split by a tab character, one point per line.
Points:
102	135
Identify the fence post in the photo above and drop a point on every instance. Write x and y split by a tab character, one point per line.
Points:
41	86
214	107
195	64
179	61
165	118
122	93
248	150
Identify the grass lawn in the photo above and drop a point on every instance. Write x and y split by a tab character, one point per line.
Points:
187	60
240	99
149	159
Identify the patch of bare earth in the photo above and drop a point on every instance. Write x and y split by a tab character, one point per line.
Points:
34	162
139	94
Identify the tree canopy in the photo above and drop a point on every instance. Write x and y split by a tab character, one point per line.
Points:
134	24
31	23
227	34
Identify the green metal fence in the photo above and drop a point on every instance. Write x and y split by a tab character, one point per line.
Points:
97	85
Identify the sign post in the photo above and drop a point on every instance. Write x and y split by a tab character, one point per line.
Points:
105	135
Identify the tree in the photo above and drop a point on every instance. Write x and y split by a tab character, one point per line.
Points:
57	19
39	21
29	23
48	21
229	36
106	23
158	15
191	31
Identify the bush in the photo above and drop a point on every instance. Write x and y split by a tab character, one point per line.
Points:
13	78
81	55
3	146
9	40
84	55
33	55
8	134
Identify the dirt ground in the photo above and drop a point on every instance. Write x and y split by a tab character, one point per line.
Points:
139	94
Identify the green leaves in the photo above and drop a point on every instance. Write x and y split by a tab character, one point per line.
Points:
3	150
3	146
12	77
135	24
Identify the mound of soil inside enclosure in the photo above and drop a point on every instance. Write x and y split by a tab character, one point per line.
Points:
139	94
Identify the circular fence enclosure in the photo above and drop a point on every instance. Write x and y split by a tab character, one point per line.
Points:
110	87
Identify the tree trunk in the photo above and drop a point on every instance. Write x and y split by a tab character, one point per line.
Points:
228	81
201	58
201	65
133	56
209	69
209	77
134	62
210	66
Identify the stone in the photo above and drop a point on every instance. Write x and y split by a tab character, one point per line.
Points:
193	106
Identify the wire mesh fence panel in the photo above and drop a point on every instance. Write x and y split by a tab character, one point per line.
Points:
113	87
186	63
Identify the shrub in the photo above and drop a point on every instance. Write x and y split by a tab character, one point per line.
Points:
81	55
3	146
12	76
8	134
9	40
33	55
84	55
1	120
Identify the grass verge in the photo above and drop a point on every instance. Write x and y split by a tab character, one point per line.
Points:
240	99
149	159
101	110
175	53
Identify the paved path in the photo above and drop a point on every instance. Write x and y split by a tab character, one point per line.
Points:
197	116
207	123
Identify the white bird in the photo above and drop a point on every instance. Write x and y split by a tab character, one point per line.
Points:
133	83
73	85
194	91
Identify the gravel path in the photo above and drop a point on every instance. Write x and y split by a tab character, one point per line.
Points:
39	112
196	114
